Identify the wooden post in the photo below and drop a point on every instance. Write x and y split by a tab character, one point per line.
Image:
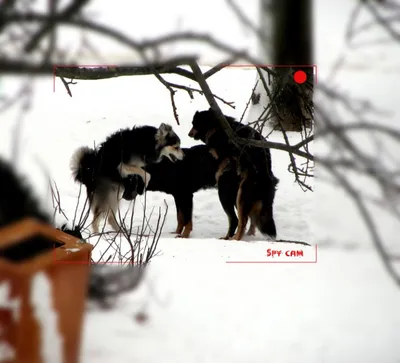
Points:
43	284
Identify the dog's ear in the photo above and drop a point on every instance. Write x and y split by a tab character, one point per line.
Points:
163	131
165	128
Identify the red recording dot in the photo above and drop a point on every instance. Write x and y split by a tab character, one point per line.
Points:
300	77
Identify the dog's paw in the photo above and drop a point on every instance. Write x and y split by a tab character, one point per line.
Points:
129	195
130	184
147	180
177	231
235	238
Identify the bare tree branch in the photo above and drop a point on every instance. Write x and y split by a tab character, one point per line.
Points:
94	73
369	222
247	22
219	67
66	84
73	8
211	101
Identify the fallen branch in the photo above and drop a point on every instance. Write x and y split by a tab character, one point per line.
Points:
295	242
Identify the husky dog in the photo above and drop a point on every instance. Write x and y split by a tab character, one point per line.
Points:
127	152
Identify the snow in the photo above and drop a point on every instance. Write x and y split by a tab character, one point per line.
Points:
7	351
8	303
41	300
72	250
200	308
213	312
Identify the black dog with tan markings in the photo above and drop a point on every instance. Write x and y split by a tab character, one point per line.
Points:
249	181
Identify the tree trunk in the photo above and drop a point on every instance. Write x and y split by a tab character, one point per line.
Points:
292	44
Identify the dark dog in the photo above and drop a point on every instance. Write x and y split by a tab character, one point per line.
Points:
16	198
197	170
18	202
124	153
255	185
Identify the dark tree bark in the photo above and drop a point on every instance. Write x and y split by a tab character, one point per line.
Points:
292	44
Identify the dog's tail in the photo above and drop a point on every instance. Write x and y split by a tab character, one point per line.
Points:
264	213
83	165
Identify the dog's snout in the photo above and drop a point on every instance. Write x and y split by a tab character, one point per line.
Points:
178	155
192	132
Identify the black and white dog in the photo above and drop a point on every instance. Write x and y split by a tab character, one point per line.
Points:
127	152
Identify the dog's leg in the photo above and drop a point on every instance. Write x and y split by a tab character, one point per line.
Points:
252	228
113	210
98	216
244	206
227	192
186	203
96	206
131	186
96	220
91	204
112	220
242	218
179	216
126	170
254	215
187	230
180	224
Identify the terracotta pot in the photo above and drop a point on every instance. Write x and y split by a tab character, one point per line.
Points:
43	284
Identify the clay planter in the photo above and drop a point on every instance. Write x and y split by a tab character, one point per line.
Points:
43	283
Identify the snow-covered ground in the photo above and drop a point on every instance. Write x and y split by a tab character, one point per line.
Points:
200	308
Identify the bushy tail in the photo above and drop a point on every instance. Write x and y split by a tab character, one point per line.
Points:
265	218
83	165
